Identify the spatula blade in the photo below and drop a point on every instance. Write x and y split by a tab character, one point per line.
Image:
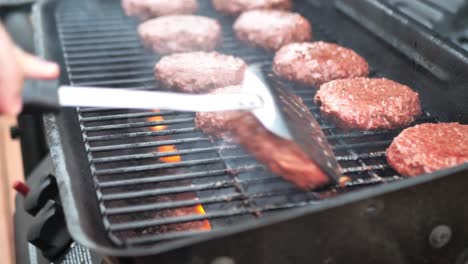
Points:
297	123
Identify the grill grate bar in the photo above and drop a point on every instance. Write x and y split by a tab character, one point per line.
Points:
109	75
105	15
361	145
153	155
127	116
195	129
107	53
115	46
162	166
371	181
138	125
101	21
167	191
142	134
100	68
177	177
364	168
123	59
97	41
360	134
124	81
148	144
207	216
174	204
79	31
354	156
94	35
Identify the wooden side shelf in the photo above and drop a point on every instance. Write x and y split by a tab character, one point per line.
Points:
10	170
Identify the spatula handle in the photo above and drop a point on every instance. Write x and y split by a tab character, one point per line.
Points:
40	96
138	99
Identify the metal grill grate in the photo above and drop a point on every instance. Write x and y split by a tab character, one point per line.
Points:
159	178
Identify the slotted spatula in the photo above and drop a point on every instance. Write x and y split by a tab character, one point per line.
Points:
277	108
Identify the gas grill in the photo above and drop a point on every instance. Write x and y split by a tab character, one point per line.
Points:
149	184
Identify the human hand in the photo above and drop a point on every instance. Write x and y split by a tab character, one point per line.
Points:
15	66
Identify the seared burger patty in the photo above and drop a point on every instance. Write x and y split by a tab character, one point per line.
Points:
429	147
235	7
283	157
145	9
318	62
272	29
178	33
198	72
368	104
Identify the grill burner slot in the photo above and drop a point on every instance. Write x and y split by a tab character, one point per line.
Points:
142	198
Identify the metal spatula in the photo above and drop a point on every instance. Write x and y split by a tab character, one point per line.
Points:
275	107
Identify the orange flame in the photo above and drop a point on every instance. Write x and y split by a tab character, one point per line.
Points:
176	158
201	211
168	148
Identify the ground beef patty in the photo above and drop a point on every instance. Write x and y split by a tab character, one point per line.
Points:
272	29
145	9
177	33
429	147
219	124
318	62
235	7
198	72
281	156
368	104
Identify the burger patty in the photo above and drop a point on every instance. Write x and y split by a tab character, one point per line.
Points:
368	104
198	72
429	147
219	124
177	33
283	157
145	9
318	62
272	29
235	7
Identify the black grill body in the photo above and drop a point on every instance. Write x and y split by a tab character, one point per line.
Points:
255	217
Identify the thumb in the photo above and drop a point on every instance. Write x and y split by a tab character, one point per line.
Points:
36	68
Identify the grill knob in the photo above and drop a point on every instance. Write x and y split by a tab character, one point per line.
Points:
48	231
45	190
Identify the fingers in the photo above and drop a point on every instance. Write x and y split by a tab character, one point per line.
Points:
10	96
11	77
36	68
11	105
11	81
18	66
15	66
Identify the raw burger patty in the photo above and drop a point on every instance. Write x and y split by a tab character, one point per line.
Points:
272	29
368	104
145	9
429	147
198	72
235	7
281	156
177	33
318	62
